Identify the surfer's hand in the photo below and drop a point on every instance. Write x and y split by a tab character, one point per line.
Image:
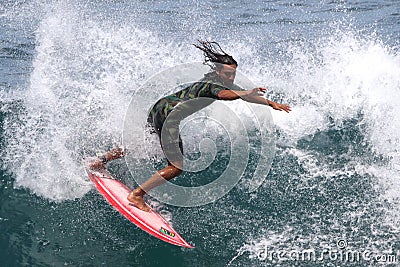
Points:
280	107
97	164
259	91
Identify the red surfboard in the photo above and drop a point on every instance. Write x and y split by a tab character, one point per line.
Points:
151	222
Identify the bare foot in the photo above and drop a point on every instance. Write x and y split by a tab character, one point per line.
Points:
97	164
138	201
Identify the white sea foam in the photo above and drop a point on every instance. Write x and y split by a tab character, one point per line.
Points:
82	79
344	78
85	72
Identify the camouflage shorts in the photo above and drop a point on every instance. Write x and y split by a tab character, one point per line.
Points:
166	125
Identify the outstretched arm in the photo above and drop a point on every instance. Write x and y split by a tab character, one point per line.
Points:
252	96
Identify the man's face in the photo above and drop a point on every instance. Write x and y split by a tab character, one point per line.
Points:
227	73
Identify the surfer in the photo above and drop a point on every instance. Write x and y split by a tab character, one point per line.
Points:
166	114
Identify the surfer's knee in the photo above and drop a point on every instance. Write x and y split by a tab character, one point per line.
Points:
174	170
177	167
178	171
171	171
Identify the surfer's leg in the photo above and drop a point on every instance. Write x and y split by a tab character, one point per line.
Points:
174	152
115	153
171	144
160	177
157	179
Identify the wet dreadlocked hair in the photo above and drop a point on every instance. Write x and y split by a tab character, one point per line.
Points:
214	56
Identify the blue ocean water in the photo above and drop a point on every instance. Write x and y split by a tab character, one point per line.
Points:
68	72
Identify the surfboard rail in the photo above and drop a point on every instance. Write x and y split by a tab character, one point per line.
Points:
115	192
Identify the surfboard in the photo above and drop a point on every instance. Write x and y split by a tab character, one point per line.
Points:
115	192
